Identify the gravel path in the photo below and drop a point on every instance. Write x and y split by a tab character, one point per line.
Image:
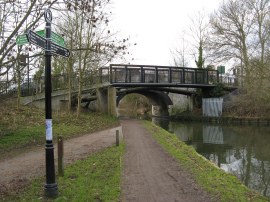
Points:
17	171
150	174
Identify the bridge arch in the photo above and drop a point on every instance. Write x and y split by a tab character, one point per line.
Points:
156	98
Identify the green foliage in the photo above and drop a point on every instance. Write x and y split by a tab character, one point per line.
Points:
222	186
177	110
96	178
217	91
200	61
136	100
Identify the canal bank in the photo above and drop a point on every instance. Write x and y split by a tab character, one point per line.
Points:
223	120
241	150
223	186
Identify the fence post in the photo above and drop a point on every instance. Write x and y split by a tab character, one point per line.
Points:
117	138
60	155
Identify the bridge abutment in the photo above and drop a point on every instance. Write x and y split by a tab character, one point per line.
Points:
190	103
181	103
112	110
106	100
102	100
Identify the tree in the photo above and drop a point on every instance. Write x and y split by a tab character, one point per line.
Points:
240	33
196	44
90	40
199	30
231	29
180	54
17	17
260	11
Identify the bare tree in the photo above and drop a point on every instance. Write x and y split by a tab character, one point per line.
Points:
232	26
89	38
13	18
261	13
181	53
241	32
199	30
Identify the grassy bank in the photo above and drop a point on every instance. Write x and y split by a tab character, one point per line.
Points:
24	128
223	186
96	178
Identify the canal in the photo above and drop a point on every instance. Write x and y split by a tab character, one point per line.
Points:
241	150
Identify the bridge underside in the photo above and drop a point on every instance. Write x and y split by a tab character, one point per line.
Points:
156	98
154	85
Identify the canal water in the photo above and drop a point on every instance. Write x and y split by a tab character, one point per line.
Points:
241	150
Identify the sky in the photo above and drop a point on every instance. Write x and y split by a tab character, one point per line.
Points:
156	25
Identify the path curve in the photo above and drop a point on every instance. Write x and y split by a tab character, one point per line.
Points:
17	171
151	174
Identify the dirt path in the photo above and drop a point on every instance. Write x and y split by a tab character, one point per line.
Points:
16	172
150	174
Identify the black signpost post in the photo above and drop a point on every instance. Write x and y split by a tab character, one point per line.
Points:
51	188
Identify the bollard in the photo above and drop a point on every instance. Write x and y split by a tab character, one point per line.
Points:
117	138
60	156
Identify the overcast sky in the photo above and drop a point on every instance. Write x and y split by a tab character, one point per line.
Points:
156	25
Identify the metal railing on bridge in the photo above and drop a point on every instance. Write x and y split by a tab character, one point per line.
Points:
146	74
123	75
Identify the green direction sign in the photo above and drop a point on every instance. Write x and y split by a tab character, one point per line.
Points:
21	39
58	39
221	69
55	37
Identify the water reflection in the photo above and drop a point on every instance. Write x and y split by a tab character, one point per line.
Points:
243	151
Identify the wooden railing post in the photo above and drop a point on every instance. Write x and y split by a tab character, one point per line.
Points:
60	147
117	138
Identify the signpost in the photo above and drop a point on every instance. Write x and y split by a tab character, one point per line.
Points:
36	39
59	50
21	39
56	38
43	39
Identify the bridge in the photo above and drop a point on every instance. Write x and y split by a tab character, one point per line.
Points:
158	76
112	83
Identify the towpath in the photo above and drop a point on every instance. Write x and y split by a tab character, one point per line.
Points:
149	173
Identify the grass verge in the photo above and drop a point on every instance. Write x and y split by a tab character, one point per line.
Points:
24	128
96	178
222	186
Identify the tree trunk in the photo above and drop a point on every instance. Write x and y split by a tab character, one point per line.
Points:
79	98
69	84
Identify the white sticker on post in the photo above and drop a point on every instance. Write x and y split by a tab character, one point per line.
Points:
48	129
